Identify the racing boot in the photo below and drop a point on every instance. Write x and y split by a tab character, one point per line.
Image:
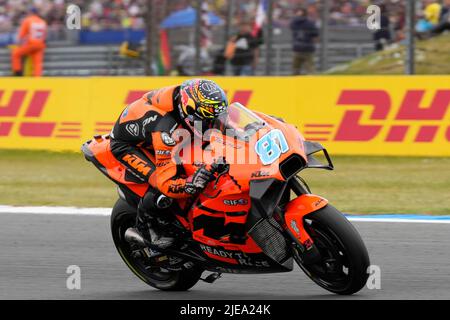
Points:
145	226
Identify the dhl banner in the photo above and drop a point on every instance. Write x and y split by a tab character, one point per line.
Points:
357	115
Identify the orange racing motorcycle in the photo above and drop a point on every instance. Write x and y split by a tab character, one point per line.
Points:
255	217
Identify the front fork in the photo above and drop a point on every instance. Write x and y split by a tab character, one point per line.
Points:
293	216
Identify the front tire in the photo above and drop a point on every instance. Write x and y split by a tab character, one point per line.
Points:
343	268
123	217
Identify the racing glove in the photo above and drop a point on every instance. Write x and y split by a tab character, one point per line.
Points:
198	181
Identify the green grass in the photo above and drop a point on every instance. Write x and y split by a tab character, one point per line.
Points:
47	178
432	57
385	184
358	184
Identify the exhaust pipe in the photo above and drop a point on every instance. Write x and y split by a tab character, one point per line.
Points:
132	236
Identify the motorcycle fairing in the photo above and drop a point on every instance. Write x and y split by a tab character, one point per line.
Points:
248	258
213	218
265	196
98	151
315	147
210	228
296	210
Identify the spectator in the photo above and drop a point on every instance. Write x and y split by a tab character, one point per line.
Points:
5	20
432	11
344	13
445	11
242	51
444	21
304	34
399	21
219	63
32	34
429	18
383	35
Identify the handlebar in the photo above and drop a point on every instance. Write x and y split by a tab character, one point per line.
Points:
220	166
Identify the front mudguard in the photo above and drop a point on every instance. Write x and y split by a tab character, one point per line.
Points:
294	215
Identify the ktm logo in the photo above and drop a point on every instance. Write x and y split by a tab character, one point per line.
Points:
177	188
318	202
370	123
137	163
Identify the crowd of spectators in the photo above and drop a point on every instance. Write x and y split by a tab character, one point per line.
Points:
99	15
96	14
13	11
123	14
116	14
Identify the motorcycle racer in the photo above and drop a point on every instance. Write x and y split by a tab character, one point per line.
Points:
149	123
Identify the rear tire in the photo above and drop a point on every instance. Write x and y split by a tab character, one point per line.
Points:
123	217
343	268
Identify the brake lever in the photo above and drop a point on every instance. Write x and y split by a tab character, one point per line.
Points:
212	196
222	173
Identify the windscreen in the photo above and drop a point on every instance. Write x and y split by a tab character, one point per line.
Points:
239	122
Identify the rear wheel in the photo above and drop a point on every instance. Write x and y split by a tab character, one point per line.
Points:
123	217
344	257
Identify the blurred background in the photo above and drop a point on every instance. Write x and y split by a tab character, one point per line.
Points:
400	125
231	37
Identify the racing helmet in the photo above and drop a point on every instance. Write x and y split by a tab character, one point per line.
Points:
202	102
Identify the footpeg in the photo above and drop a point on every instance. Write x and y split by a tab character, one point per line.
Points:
212	277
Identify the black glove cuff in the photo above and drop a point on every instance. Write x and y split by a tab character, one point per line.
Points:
190	188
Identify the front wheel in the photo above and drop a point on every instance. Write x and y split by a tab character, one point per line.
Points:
123	217
344	257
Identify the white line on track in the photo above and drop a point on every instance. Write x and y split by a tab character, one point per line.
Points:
107	211
57	210
400	219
